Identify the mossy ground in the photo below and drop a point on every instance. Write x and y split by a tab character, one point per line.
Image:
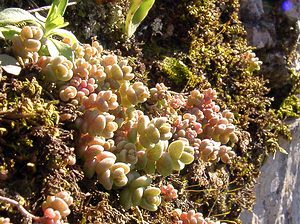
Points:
199	44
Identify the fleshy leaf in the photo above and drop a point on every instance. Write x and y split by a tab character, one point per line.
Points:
164	165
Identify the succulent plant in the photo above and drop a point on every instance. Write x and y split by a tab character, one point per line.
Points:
67	93
97	160
166	159
96	123
27	42
139	193
192	217
103	101
178	154
4	220
52	216
151	132
133	94
56	68
213	151
126	152
226	154
169	192
59	202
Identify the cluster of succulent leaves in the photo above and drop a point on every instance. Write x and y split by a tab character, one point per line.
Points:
51	26
207	44
211	40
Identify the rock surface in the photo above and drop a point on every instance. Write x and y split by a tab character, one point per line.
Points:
273	29
278	188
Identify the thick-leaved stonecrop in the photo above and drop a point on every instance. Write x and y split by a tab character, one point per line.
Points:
39	33
128	132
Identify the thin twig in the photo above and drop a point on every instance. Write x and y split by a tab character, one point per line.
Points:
44	8
140	215
23	211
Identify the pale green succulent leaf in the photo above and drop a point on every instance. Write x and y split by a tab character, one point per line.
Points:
125	198
156	152
164	165
150	167
178	165
142	181
175	149
137	195
186	158
152	191
145	205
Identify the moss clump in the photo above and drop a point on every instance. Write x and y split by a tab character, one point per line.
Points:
290	108
180	74
34	150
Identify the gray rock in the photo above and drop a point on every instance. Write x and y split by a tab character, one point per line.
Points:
278	188
252	10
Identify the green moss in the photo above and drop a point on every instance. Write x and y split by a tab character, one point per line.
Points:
290	108
179	73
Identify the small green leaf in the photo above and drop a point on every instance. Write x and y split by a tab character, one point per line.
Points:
63	49
10	64
57	22
58	7
136	14
15	15
8	31
55	15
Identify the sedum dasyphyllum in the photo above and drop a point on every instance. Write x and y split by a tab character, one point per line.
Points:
169	192
165	158
138	192
192	217
102	163
127	128
56	207
27	42
56	68
5	220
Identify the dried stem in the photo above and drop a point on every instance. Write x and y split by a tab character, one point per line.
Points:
44	8
23	211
